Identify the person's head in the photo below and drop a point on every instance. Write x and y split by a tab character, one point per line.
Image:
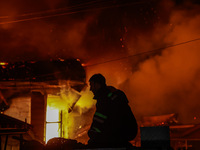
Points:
97	81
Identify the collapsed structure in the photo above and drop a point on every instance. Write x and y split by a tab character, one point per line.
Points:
29	91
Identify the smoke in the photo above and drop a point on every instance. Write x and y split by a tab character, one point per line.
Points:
159	83
35	36
169	82
43	40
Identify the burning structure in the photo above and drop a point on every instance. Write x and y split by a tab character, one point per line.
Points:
162	82
39	102
44	94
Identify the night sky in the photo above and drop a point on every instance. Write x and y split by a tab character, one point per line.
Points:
111	37
46	29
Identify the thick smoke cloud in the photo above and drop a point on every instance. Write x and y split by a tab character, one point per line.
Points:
169	82
84	35
35	36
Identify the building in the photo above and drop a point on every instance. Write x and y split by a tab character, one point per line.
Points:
34	93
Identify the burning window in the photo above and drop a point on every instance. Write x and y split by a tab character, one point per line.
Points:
53	123
58	122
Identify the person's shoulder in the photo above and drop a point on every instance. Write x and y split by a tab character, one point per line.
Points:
111	89
115	90
117	94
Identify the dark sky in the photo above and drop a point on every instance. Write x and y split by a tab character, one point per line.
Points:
47	29
104	30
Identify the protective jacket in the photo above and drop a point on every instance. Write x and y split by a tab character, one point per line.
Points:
113	122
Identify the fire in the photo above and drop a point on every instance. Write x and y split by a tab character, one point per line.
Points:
3	63
53	126
60	114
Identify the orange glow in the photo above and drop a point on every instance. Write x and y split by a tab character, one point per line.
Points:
83	65
52	129
3	63
53	118
61	59
60	121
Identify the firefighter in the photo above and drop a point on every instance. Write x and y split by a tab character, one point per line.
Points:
114	124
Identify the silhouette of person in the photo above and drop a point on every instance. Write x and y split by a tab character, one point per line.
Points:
114	124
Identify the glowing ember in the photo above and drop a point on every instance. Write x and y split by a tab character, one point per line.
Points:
3	63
